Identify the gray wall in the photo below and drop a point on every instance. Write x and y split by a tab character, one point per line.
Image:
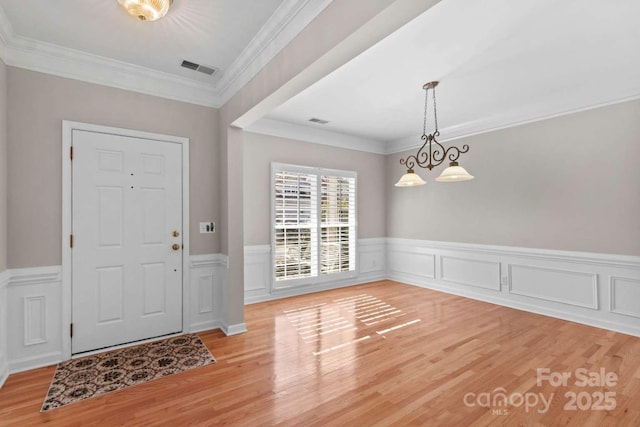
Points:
567	183
37	105
261	150
315	52
3	167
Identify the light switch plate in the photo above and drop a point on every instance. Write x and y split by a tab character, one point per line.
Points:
207	227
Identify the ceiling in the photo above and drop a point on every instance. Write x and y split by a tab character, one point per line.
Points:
500	62
203	31
96	40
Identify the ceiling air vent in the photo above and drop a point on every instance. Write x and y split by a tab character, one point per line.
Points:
190	65
200	68
319	121
206	70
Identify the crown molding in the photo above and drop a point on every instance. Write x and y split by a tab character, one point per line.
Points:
315	135
291	17
6	34
513	119
35	55
412	142
73	64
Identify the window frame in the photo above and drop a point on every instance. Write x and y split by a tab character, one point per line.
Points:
320	278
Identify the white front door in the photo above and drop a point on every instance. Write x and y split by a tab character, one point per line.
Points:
126	280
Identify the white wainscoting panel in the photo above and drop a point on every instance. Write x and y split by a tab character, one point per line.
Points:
207	274
4	359
601	290
414	263
625	296
577	288
257	272
206	287
471	272
371	266
372	259
35	318
34	307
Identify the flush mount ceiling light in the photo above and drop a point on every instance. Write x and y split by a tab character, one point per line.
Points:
432	153
146	10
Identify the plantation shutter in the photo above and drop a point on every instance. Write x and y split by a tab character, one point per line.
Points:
314	224
295	225
338	224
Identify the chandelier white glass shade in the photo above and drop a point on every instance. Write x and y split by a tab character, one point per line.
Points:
146	10
454	173
410	179
432	153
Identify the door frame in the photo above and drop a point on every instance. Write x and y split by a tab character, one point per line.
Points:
67	129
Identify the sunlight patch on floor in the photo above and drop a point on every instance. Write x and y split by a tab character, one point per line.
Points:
393	328
369	309
312	322
339	346
335	324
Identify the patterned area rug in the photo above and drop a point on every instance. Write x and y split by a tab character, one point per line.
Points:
90	376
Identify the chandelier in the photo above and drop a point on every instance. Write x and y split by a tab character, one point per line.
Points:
432	153
146	10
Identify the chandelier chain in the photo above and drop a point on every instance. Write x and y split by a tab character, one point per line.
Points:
426	102
435	111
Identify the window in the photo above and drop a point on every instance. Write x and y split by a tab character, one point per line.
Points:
314	224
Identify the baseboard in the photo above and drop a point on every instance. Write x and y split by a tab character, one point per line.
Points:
4	373
370	267
234	329
274	295
4	365
599	290
34	362
205	326
545	311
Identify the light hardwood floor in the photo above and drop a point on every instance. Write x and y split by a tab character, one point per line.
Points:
377	354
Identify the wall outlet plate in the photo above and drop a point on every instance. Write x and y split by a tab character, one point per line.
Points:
207	227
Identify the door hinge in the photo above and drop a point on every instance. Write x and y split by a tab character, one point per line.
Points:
71	153
71	330
71	241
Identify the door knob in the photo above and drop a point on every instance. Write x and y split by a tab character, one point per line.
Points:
175	233
175	247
